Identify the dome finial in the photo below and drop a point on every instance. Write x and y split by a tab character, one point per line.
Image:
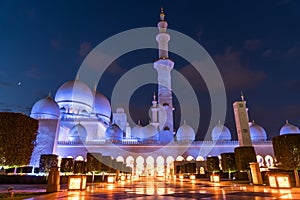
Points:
154	96
162	14
139	122
253	122
242	96
49	94
286	121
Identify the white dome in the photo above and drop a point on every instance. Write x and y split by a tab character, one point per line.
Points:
220	132
185	132
75	94
289	128
150	132
257	132
102	105
114	132
137	131
77	133
45	108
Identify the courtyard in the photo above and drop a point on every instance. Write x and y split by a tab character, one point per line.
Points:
160	188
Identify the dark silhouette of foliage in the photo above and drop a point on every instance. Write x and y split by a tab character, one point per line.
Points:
93	163
67	165
47	161
287	151
243	156
212	164
17	138
79	167
228	162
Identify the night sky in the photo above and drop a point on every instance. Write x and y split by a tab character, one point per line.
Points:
255	44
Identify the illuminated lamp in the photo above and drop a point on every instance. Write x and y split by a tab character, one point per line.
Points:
77	182
215	178
123	178
111	179
128	177
181	176
279	181
192	177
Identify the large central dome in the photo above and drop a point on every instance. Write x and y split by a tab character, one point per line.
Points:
76	95
102	105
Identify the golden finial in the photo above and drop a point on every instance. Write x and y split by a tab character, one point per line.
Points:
162	14
242	96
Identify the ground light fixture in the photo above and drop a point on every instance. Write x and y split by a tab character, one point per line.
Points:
111	179
77	182
279	181
192	177
215	178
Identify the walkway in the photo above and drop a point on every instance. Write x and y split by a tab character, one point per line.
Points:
160	188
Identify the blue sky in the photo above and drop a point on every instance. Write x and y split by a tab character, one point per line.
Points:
255	45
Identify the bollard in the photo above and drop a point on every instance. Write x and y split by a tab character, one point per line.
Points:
53	180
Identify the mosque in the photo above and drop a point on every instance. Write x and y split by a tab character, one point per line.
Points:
80	120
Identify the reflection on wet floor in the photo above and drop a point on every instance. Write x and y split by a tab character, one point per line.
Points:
161	188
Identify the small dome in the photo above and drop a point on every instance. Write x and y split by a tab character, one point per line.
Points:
185	132
102	105
137	131
220	132
77	133
114	132
45	108
74	93
257	132
150	132
289	128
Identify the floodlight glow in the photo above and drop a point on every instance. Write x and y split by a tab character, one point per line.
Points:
215	178
110	179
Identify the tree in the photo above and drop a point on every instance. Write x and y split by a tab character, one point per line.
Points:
228	163
243	156
67	165
79	167
287	153
47	161
93	163
17	138
212	164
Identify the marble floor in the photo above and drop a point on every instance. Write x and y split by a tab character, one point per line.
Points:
161	188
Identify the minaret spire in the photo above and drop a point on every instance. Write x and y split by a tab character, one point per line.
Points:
163	67
242	96
162	14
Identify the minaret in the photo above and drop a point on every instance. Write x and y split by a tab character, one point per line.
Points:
164	66
241	122
154	113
